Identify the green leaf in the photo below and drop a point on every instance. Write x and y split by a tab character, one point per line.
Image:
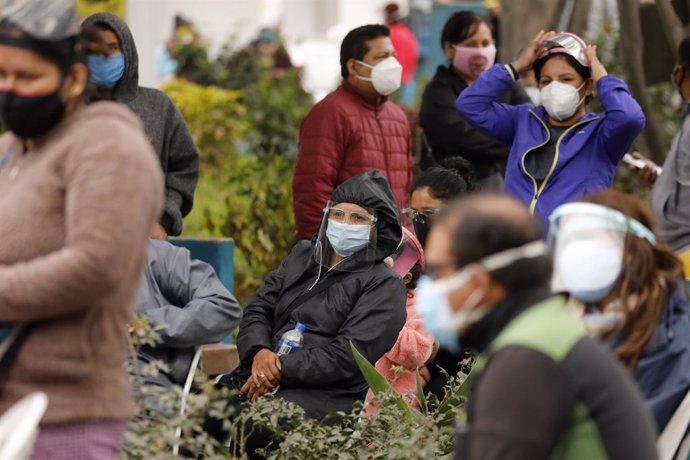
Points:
378	384
423	404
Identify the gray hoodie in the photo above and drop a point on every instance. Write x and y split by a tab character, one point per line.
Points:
186	297
671	193
164	126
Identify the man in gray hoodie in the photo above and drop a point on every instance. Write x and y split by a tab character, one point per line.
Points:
671	192
116	77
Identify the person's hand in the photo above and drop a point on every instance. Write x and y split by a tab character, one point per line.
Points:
649	173
529	54
254	390
266	368
158	232
598	69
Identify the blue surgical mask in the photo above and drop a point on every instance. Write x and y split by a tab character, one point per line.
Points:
106	71
428	302
433	305
346	239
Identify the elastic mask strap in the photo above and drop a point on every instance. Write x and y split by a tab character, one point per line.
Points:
365	65
505	258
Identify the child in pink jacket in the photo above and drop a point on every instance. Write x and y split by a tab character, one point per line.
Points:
415	345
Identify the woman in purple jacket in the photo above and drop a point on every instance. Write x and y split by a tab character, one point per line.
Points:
559	151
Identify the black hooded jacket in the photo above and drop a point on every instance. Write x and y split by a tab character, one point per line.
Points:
163	124
365	305
449	135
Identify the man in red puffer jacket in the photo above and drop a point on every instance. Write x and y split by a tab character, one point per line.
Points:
353	129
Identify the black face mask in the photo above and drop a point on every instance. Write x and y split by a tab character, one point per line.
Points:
29	117
422	224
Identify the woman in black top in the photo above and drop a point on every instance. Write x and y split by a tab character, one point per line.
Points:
468	43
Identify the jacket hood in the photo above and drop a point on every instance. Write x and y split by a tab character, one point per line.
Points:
372	191
126	89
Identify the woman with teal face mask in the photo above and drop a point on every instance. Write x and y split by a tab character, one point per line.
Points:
627	291
338	286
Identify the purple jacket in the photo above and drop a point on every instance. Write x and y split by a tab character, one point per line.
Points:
586	155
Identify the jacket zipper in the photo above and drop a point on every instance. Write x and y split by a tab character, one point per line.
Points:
538	189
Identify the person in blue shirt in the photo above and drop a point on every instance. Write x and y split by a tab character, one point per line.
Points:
559	152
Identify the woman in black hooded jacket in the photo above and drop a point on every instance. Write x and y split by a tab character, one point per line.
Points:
342	291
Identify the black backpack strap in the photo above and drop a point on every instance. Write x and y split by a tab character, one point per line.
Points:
300	300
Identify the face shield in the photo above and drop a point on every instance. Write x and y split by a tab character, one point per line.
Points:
565	42
347	237
406	256
589	244
422	221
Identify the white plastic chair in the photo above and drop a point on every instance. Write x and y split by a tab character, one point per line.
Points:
19	426
185	393
672	437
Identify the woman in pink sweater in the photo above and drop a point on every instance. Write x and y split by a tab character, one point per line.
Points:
415	345
80	190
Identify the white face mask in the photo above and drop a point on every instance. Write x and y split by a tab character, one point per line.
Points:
534	94
385	76
589	269
561	100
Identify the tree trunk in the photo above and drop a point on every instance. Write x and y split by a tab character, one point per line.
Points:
522	20
631	44
671	26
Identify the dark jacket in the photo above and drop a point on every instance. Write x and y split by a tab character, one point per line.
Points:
663	371
547	390
586	155
450	135
163	124
366	305
344	135
186	297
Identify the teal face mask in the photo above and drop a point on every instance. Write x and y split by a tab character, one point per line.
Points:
106	71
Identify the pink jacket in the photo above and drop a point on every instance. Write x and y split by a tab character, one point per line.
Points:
411	351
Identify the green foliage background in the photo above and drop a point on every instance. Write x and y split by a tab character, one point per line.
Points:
246	131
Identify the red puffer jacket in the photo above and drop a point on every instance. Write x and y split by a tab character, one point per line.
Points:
342	136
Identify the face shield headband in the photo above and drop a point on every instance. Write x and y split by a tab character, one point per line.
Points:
596	215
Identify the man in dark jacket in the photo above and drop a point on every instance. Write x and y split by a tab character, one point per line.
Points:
338	297
186	297
163	123
541	388
353	129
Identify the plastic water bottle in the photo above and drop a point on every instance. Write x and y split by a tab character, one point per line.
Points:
291	340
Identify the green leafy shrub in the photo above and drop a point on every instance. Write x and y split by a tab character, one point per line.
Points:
393	431
153	433
277	107
216	117
247	139
258	215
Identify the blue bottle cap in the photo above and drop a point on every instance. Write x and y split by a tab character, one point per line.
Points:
301	327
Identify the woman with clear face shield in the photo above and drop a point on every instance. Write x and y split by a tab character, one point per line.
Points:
559	152
339	288
627	291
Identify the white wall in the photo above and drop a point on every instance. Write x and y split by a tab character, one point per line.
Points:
313	28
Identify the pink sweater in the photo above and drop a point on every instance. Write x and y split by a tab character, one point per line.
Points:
76	212
411	351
